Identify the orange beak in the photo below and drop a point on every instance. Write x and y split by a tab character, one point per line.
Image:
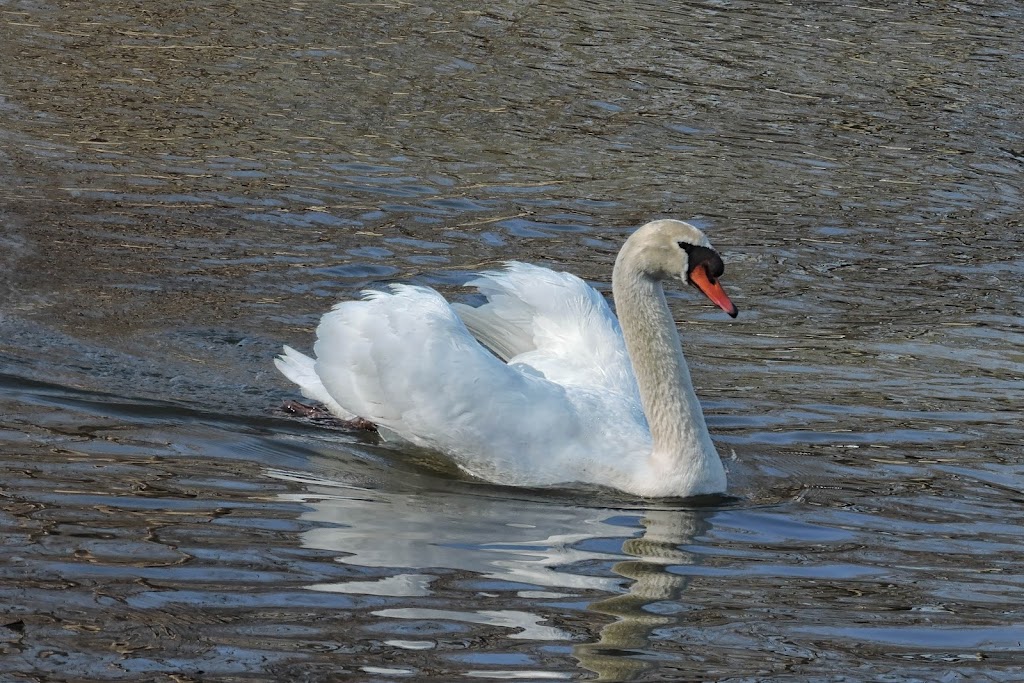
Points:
712	289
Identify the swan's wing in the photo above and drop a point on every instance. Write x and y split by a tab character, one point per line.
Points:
404	360
555	323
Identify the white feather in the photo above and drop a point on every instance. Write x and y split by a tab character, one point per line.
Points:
300	368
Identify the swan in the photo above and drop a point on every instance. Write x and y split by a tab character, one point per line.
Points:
541	385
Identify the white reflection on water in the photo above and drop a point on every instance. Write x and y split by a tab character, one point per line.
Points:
400	585
526	624
527	545
506	540
514	675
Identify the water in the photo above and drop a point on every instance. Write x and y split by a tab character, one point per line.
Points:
187	186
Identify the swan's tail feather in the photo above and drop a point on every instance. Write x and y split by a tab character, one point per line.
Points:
301	369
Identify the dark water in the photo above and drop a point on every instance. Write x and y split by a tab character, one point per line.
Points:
186	186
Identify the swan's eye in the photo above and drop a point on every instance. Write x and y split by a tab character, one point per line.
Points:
697	255
715	266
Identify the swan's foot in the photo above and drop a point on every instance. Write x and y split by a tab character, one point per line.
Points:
321	413
303	410
360	423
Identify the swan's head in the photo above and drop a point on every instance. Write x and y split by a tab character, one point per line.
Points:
668	248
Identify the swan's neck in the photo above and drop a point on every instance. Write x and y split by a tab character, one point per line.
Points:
681	443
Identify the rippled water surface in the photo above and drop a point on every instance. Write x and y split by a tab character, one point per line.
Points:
186	186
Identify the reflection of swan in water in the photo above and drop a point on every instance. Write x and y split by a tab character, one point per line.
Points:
503	539
655	550
542	551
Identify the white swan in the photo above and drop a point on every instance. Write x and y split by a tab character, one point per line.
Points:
567	396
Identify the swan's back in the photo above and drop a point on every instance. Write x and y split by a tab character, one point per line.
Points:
404	360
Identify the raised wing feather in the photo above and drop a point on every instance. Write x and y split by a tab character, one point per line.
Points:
553	322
